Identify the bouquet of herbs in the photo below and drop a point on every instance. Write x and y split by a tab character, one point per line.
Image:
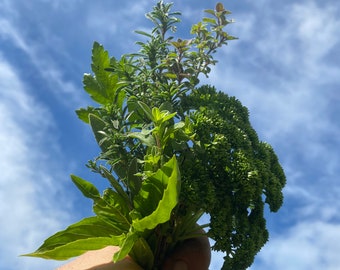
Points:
171	150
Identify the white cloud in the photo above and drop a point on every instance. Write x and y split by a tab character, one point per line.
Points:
33	205
63	4
112	22
66	91
308	245
9	32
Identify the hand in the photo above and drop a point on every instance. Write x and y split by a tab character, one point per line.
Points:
193	254
100	260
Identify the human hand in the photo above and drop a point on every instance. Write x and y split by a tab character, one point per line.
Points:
193	254
100	260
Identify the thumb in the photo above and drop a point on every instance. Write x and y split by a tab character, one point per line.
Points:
180	265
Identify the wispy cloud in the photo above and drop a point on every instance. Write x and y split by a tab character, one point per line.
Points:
308	245
34	47
33	203
112	23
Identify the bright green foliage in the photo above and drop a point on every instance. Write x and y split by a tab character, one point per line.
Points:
115	223
88	234
171	150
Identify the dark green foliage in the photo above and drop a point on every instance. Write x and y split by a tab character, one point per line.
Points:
227	173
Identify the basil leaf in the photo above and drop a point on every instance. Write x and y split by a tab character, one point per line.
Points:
125	246
88	234
168	178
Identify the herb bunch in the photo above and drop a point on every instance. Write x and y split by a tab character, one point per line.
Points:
171	150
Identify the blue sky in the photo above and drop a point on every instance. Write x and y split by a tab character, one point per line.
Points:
284	68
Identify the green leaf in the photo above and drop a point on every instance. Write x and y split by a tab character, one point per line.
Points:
75	248
88	234
160	117
93	88
170	75
167	116
112	207
146	109
179	125
126	246
143	33
210	11
136	111
167	106
142	253
209	20
144	136
134	182
115	184
83	114
169	178
87	188
113	215
114	199
146	201
98	127
102	85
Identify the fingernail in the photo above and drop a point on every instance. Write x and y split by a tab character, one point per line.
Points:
180	265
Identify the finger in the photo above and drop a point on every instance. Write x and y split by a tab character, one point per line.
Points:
191	254
180	265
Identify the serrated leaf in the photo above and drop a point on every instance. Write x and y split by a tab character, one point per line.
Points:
101	86
83	114
88	234
93	88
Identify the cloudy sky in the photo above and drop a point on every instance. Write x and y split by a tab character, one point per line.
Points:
284	68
